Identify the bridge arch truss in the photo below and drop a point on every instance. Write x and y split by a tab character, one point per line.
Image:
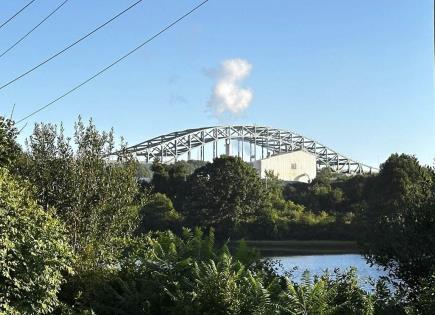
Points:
171	147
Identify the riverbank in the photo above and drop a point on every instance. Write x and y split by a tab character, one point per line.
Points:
297	247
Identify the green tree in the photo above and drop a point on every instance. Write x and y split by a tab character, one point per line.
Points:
225	194
273	185
160	180
34	252
158	214
94	197
322	194
9	149
400	222
171	179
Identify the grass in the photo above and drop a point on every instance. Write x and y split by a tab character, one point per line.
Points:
297	247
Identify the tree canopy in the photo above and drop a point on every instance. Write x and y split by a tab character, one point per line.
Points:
158	214
399	222
9	149
94	197
224	194
34	252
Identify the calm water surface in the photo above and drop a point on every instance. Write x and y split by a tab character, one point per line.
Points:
316	264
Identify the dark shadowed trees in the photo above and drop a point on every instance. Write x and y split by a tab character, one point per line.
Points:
158	214
171	179
399	231
225	194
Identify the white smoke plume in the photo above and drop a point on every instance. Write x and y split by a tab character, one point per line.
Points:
227	95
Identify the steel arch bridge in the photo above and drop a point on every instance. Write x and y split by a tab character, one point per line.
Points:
170	147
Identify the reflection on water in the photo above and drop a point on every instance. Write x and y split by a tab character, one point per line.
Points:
317	264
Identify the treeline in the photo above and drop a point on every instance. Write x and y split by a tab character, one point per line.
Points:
81	235
229	196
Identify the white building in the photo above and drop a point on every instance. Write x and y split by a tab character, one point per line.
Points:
297	166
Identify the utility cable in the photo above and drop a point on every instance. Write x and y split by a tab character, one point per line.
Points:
116	61
69	46
13	16
33	29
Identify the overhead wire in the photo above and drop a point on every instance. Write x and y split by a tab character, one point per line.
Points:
34	28
12	112
13	16
70	46
116	61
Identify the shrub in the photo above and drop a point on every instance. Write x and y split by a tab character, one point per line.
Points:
34	253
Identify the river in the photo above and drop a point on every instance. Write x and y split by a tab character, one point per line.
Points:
317	264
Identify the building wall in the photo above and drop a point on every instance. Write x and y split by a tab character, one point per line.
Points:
294	166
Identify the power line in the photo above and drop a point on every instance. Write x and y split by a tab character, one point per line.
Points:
69	46
115	62
12	112
13	16
33	29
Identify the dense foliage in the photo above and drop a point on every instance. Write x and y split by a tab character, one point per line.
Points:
229	196
158	213
399	225
94	198
34	253
9	149
62	198
224	195
161	273
171	179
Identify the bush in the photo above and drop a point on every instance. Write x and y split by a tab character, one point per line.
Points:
34	253
158	214
161	273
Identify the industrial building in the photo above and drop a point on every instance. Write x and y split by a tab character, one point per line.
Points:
297	166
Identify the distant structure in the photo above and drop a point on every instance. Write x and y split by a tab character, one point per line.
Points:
296	166
264	147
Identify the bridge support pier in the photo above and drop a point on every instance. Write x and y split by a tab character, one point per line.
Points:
228	147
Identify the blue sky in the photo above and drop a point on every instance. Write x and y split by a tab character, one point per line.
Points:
355	75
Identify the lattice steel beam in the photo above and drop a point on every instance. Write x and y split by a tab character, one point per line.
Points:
170	147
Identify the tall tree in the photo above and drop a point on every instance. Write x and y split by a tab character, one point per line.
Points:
34	252
94	197
225	194
171	179
9	149
400	221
